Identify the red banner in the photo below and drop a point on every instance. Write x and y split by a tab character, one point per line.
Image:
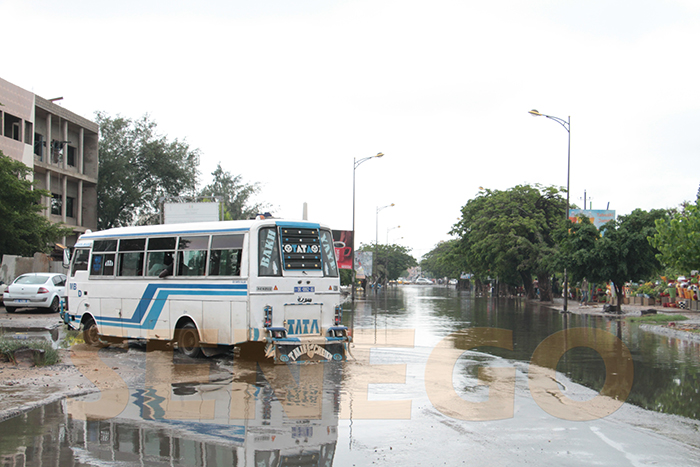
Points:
342	241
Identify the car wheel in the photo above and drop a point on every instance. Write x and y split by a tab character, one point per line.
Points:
188	341
91	336
55	305
10	309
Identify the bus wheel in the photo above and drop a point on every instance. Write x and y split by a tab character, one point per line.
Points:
91	336
188	341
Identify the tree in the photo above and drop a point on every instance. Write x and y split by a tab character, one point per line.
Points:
677	238
621	253
510	235
23	230
139	167
390	261
237	195
445	260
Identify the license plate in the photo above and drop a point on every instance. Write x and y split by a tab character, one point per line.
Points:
22	301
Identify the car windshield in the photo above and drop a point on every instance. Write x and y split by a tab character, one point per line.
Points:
31	280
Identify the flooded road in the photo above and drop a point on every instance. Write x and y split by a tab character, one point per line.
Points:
437	378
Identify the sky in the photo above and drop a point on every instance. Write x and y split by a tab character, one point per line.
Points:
290	94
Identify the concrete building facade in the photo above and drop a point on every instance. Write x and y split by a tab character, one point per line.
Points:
61	147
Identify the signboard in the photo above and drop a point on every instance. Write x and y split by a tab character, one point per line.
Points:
597	217
176	213
342	241
363	264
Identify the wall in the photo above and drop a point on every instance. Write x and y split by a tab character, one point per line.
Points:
13	266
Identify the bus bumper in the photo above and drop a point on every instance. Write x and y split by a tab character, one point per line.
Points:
308	349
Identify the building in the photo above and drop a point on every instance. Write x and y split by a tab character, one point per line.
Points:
60	147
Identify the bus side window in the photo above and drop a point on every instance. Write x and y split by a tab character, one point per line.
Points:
192	255
131	257
80	261
330	267
268	252
161	256
103	258
225	258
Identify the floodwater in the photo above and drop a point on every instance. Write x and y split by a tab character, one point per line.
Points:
437	377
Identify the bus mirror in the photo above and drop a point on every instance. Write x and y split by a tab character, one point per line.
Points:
66	256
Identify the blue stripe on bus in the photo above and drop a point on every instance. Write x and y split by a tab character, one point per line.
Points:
161	292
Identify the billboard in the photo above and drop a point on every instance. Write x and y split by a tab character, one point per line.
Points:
342	241
176	213
598	217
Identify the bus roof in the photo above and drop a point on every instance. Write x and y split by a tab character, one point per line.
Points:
192	228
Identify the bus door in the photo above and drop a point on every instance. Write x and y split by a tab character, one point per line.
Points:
103	296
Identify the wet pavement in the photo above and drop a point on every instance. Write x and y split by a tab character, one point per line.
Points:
437	378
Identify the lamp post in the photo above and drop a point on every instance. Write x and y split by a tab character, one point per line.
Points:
567	126
355	164
389	230
376	240
376	223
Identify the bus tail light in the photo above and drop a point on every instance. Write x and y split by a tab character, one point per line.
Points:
338	315
268	316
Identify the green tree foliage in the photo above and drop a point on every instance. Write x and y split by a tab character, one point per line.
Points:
510	235
23	230
237	195
621	252
577	250
678	239
390	261
445	260
138	167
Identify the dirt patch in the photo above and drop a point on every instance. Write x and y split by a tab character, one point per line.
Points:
22	389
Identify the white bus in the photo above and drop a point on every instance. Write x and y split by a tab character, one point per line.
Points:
211	285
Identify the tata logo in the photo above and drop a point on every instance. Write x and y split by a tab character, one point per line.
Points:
291	248
302	326
304	299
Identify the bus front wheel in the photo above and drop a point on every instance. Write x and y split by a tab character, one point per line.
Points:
188	341
91	335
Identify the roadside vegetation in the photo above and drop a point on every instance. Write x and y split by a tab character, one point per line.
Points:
657	319
8	347
515	237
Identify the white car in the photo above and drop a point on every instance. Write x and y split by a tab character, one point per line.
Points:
423	280
36	290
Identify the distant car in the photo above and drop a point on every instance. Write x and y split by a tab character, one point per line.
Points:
424	281
453	282
35	290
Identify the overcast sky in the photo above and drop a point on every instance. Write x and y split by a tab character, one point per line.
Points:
288	92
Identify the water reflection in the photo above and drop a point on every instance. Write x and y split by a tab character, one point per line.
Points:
666	370
263	416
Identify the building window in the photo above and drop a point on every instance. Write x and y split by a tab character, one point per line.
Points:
39	145
71	156
56	204
56	152
28	132
69	206
12	127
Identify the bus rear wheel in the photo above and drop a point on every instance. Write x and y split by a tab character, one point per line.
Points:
188	341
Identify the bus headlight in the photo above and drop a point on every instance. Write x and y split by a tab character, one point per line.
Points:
268	316
338	314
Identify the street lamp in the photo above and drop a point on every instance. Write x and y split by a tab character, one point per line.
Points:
376	223
389	230
567	126
355	164
376	240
